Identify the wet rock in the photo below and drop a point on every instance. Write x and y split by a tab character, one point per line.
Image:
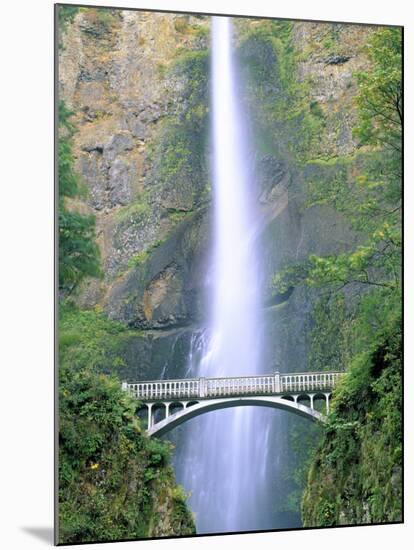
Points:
92	74
91	94
273	172
337	59
121	174
94	173
164	290
117	144
122	93
137	128
163	296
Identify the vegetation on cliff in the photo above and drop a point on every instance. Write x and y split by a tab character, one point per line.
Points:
365	187
268	55
179	154
356	474
78	251
357	292
114	482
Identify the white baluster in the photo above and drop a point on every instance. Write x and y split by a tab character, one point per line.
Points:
276	383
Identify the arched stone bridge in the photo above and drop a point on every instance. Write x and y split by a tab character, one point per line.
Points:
190	397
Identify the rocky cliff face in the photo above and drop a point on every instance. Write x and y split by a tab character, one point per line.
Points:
112	74
138	84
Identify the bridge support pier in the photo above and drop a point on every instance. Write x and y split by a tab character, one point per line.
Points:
311	396
295	398
167	409
150	419
327	402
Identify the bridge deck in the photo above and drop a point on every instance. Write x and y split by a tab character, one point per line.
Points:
210	388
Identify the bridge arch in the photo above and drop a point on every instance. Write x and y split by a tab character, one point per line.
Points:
204	406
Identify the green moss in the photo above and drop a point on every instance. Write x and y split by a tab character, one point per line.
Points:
162	69
177	216
282	103
316	109
181	25
138	259
327	161
136	211
177	156
66	15
107	17
142	257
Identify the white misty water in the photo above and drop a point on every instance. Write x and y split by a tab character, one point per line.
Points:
224	455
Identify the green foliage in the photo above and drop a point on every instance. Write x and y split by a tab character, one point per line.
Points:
111	475
175	158
193	66
69	185
330	334
183	26
331	339
356	473
78	251
366	187
89	338
355	476
346	268
66	15
304	439
380	91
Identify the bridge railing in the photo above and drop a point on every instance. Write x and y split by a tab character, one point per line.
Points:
164	389
309	381
202	388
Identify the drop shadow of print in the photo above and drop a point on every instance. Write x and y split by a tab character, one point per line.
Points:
42	533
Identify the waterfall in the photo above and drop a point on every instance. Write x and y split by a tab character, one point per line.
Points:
223	459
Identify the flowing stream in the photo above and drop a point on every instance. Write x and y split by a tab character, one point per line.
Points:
224	453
